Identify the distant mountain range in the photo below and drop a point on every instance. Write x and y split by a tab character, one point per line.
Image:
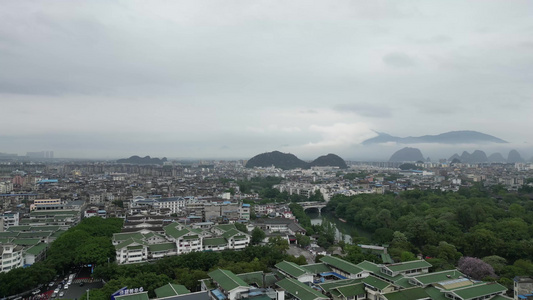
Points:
147	160
479	156
452	137
287	161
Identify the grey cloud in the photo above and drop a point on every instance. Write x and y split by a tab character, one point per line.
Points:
399	60
189	72
435	39
366	110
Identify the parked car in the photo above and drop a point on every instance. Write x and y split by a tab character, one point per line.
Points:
82	283
37	291
66	287
51	283
61	294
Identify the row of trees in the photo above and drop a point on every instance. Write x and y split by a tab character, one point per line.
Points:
87	243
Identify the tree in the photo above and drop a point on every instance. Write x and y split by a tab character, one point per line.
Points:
407	256
258	236
303	240
475	268
279	243
498	263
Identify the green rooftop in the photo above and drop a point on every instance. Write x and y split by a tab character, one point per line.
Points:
341	264
300	290
227	280
58	233
430	278
316	268
257	278
328	286
376	282
19	228
162	247
124	236
291	268
26	242
46	228
435	293
408	294
479	290
232	232
215	241
7	234
129	242
369	266
408	265
403	282
226	227
171	289
173	231
37	249
29	235
352	290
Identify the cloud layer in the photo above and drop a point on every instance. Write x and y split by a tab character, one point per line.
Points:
233	79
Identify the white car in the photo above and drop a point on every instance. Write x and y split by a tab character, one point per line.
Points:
61	294
65	287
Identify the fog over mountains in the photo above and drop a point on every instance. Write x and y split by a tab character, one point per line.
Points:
478	156
452	137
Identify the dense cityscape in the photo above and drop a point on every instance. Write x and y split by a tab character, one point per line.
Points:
266	150
178	208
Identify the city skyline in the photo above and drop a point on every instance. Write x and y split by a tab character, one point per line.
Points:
202	79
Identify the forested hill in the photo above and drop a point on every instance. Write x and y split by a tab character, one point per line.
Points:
289	161
445	226
329	160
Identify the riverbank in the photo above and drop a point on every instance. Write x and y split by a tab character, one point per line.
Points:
343	229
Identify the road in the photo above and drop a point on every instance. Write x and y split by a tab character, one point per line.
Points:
75	291
297	251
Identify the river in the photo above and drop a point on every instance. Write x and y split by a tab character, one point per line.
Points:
342	230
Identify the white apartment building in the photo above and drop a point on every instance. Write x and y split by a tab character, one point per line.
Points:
10	219
175	204
11	257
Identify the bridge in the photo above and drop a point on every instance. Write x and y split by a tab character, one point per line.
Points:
317	205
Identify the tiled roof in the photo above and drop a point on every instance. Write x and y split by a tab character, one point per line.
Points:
479	290
171	289
376	282
161	247
316	268
227	280
328	286
408	265
408	294
351	290
26	242
341	264
430	278
35	250
291	268
300	290
257	278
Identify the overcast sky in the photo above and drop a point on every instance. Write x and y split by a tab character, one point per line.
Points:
231	79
